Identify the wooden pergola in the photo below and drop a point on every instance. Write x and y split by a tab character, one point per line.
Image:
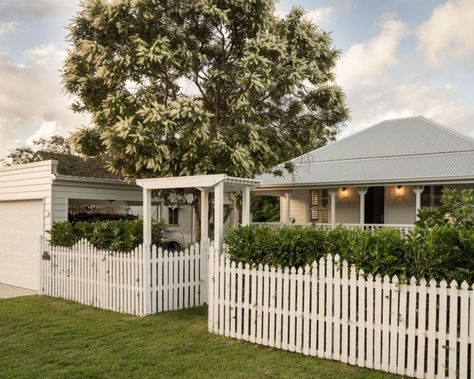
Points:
219	184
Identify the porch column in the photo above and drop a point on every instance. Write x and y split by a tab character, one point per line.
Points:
147	250
418	190
332	193
362	191
219	215
288	206
246	206
204	215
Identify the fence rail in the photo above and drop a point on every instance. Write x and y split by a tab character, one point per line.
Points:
115	281
332	311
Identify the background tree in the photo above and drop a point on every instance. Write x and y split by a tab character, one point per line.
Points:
203	86
265	208
58	148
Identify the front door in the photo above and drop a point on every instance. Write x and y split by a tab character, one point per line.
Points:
374	205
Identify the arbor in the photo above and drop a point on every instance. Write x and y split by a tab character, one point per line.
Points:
203	86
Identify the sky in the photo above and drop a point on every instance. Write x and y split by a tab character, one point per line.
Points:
399	58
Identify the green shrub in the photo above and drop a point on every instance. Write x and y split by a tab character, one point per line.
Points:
115	235
439	252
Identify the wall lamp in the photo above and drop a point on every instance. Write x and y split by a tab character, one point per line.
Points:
399	191
344	193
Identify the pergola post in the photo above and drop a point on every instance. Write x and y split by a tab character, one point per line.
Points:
235	212
332	193
204	215
219	215
246	206
288	207
418	190
362	192
147	250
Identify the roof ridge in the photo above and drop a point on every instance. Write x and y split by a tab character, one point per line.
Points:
386	157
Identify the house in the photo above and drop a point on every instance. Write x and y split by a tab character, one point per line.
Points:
380	176
34	195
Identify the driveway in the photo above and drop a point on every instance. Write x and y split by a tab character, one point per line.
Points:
7	292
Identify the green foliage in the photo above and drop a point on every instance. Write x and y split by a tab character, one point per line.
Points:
115	235
59	149
457	208
196	87
265	208
442	252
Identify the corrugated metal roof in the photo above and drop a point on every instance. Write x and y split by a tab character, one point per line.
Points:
401	150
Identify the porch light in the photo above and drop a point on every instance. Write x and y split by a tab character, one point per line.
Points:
399	191
344	193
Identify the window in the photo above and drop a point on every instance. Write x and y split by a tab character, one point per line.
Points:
431	196
319	205
173	218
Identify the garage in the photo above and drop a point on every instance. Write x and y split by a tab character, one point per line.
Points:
21	226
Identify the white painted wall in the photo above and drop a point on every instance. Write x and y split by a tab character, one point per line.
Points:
347	206
399	209
28	182
298	206
25	212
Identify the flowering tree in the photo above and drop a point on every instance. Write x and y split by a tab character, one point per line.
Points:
203	86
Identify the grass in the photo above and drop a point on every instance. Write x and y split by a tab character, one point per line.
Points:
43	337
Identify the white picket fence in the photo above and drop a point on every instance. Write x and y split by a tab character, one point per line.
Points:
330	310
115	281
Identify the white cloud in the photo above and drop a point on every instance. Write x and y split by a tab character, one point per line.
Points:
448	33
320	16
33	9
6	27
364	63
407	98
46	54
46	130
381	84
31	101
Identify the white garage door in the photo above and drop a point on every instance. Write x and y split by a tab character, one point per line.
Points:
21	225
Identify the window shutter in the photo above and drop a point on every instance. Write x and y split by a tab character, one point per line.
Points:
318	205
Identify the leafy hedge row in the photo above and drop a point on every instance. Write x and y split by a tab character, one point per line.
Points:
443	252
115	235
441	246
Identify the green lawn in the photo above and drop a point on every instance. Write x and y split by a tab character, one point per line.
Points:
43	337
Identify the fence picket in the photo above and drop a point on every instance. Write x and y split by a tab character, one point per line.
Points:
453	330
329	306
337	308
464	331
394	317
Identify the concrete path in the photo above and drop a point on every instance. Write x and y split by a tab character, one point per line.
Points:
7	292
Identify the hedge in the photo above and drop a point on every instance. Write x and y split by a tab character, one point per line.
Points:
442	252
115	235
441	246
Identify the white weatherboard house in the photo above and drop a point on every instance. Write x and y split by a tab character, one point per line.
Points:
380	176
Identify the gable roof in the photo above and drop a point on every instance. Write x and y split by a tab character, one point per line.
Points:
404	150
